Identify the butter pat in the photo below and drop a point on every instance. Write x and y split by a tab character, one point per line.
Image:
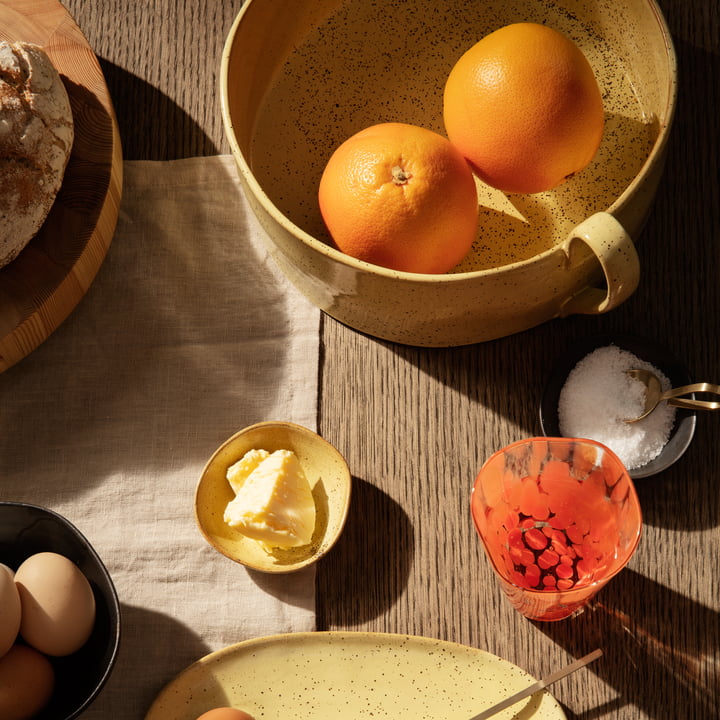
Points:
238	473
273	500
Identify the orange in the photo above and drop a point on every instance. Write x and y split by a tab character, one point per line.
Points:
524	107
400	196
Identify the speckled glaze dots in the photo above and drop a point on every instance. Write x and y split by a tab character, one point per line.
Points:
292	97
354	676
344	78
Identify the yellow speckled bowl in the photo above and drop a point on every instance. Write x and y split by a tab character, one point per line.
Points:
297	82
326	471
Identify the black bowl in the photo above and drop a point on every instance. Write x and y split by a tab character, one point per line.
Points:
682	432
28	529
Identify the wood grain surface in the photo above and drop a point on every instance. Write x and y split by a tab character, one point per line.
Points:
416	424
51	275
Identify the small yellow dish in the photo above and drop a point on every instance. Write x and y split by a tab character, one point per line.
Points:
326	471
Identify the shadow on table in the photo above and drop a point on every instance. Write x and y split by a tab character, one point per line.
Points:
287	587
655	651
143	668
502	382
152	126
369	565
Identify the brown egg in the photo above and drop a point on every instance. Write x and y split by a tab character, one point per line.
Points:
9	609
27	680
58	605
225	713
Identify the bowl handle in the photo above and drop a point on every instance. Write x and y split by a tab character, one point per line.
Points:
613	247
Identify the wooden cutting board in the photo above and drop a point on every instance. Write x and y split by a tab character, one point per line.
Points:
42	286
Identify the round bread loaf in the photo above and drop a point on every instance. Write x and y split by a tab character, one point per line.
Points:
36	136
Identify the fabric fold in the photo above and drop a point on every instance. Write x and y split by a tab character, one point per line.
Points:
188	333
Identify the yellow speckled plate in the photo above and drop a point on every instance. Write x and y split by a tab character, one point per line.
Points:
324	675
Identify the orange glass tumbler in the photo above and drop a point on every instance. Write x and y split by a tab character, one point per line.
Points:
558	517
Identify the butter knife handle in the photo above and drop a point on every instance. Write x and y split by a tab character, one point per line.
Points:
539	685
572	667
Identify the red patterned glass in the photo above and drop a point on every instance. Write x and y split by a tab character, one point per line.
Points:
558	517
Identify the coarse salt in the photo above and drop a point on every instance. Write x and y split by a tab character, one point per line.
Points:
597	398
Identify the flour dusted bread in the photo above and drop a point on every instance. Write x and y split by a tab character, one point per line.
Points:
36	136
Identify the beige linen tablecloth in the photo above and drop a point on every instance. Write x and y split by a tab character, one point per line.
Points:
188	334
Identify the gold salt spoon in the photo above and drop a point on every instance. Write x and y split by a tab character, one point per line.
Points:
654	394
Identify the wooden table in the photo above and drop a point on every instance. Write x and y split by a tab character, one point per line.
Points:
416	424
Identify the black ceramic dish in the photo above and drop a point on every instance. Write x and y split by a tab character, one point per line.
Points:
29	529
682	433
